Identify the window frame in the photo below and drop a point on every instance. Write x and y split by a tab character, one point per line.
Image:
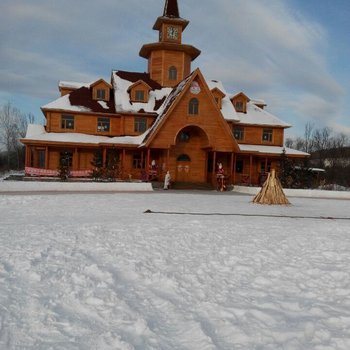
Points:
67	154
193	106
140	124
65	119
238	131
139	95
172	73
267	135
137	161
239	106
102	122
98	94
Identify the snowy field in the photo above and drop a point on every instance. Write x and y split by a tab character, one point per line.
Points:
92	271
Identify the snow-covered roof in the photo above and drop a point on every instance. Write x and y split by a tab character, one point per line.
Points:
38	133
63	103
271	150
227	108
122	96
72	85
258	116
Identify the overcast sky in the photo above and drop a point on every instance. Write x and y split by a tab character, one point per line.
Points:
295	54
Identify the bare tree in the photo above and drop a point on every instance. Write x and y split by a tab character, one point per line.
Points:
13	126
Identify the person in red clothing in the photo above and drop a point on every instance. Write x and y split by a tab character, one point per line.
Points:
220	177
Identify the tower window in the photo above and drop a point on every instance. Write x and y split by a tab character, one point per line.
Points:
172	73
193	107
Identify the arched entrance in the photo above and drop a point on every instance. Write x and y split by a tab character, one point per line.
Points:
191	155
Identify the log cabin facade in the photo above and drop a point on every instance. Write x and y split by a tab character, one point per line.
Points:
170	118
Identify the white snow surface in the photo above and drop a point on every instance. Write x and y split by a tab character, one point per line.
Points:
271	149
257	116
63	103
38	133
91	271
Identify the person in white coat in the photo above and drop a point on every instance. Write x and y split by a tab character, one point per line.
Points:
167	180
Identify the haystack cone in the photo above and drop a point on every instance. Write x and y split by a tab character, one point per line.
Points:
271	192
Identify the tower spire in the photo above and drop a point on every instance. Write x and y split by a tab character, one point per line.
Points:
171	9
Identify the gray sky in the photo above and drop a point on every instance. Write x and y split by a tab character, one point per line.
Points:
294	55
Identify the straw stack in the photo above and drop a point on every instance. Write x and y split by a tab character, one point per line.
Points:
271	192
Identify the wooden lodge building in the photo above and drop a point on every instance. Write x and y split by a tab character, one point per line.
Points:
170	118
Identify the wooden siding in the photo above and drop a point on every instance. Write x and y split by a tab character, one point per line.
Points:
253	135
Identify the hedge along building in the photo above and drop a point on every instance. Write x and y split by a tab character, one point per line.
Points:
171	117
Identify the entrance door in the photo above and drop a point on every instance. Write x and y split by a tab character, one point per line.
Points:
183	170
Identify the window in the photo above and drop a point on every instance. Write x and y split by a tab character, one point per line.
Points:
193	107
67	122
140	124
103	124
101	94
183	158
41	159
267	135
184	136
263	165
239	106
172	73
66	158
238	133
137	162
139	95
239	166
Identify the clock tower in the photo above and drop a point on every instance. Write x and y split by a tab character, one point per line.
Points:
169	61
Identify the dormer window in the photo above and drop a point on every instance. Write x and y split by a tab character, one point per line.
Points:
101	94
100	90
240	102
218	95
172	73
139	91
139	95
239	106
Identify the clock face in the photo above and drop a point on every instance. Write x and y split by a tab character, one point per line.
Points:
172	32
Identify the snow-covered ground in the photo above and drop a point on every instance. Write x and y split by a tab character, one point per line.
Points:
92	271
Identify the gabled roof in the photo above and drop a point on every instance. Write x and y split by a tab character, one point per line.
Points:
139	82
240	94
216	89
173	99
101	81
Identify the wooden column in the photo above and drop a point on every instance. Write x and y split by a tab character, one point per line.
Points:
250	169
266	165
167	159
231	167
123	163
104	157
47	157
213	177
76	159
28	156
234	170
148	162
